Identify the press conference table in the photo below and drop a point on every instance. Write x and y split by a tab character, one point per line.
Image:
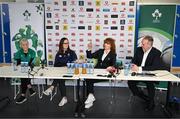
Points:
60	72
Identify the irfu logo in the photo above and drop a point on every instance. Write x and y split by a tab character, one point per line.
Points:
156	15
27	15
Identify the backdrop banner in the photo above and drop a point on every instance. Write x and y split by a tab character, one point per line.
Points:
158	22
85	21
27	21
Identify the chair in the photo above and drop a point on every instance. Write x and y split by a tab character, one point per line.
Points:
16	82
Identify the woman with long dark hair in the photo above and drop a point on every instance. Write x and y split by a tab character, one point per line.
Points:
63	56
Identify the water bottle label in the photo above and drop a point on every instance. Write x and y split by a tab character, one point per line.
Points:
84	65
24	67
77	65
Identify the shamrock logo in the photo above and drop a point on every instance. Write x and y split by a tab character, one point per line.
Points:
156	14
27	15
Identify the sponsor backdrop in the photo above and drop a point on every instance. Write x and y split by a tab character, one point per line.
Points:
27	21
85	21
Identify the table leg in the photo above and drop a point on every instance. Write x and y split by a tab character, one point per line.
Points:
76	114
82	107
75	96
39	90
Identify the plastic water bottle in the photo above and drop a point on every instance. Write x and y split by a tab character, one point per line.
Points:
76	70
26	67
22	67
88	69
126	68
84	68
68	68
72	68
14	65
91	67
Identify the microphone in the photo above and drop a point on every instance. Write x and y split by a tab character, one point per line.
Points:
32	64
111	71
43	63
142	74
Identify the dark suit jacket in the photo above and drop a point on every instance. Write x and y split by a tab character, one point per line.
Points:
109	60
153	61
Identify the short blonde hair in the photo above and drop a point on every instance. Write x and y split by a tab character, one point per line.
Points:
23	40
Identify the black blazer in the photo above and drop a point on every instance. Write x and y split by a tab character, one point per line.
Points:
109	60
153	61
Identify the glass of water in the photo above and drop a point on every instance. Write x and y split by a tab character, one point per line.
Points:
126	69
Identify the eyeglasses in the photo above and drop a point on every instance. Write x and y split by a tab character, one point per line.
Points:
65	43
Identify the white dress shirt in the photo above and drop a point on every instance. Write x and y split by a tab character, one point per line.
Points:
144	60
104	55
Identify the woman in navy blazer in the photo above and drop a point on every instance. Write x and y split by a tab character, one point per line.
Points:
106	57
63	56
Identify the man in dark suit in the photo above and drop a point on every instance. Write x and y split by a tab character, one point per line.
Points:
146	58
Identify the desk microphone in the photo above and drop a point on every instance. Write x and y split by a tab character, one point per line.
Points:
133	74
32	66
43	63
142	74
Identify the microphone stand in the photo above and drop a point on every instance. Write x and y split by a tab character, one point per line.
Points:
43	67
35	72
